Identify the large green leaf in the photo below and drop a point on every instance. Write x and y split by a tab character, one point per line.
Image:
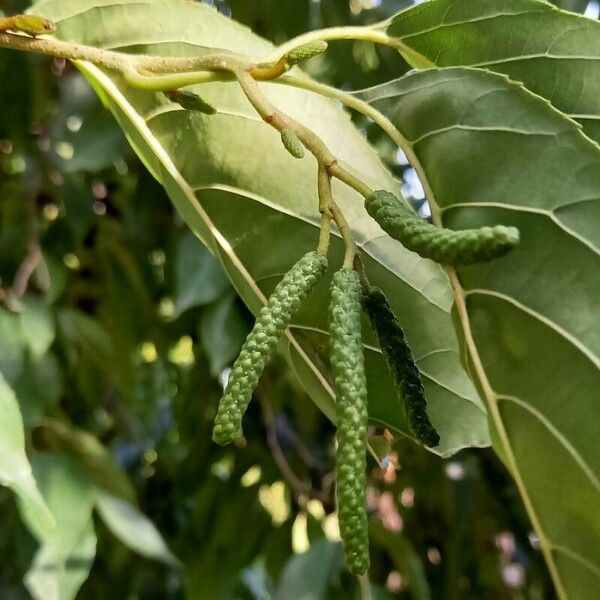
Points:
554	53
489	151
67	551
255	207
15	470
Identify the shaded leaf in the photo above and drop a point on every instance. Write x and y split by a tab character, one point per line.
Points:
308	575
133	528
89	451
223	330
12	345
491	152
199	278
405	558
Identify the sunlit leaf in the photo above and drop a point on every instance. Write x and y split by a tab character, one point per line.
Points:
15	470
67	550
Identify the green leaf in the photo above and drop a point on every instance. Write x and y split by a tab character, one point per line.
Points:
554	53
67	551
49	580
37	323
12	345
223	330
199	279
134	529
15	470
489	151
255	206
101	467
573	5
307	576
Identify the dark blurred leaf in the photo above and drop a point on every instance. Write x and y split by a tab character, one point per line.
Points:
101	466
133	528
12	345
51	277
223	329
39	388
85	135
199	277
307	576
405	559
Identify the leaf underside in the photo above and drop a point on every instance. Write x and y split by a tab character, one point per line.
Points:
489	151
257	211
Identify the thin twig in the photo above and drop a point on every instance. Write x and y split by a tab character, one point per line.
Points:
299	487
27	267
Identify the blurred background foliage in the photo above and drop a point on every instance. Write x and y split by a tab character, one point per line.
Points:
116	331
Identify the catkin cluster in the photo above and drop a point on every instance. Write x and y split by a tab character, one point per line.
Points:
349	295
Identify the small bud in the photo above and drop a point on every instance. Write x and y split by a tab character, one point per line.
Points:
292	143
305	52
190	101
33	25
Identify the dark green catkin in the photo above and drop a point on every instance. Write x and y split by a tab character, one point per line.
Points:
398	356
444	246
190	101
347	361
286	299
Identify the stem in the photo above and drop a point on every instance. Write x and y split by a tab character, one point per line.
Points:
326	198
311	141
173	81
324	234
367	34
365	587
332	34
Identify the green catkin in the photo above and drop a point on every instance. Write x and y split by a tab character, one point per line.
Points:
30	24
190	101
347	361
398	356
444	246
305	52
286	299
292	143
